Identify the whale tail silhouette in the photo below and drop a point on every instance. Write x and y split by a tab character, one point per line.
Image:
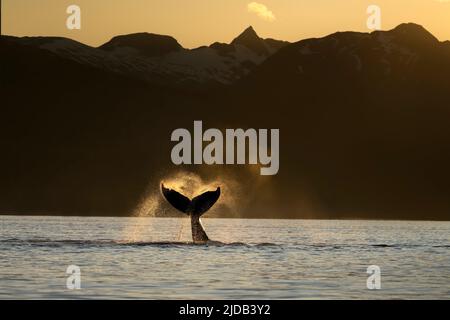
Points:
195	208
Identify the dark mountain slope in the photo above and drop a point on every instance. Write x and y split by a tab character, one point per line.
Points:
70	135
161	60
148	44
363	118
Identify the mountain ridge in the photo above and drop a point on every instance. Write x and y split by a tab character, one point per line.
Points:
160	59
149	44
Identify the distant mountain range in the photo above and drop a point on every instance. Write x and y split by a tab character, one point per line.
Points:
364	122
161	59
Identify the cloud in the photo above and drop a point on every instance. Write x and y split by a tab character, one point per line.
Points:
261	11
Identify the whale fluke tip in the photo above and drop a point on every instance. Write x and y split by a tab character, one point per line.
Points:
195	208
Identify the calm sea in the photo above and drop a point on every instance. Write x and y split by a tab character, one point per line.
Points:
151	258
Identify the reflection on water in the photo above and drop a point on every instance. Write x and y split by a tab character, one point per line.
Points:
263	259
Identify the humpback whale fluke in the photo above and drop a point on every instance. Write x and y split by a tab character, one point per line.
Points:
194	208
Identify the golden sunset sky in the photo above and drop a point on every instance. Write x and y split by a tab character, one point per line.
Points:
201	22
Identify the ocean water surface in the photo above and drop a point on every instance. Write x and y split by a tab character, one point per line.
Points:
153	258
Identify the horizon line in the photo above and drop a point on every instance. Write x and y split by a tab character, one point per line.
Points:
207	45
